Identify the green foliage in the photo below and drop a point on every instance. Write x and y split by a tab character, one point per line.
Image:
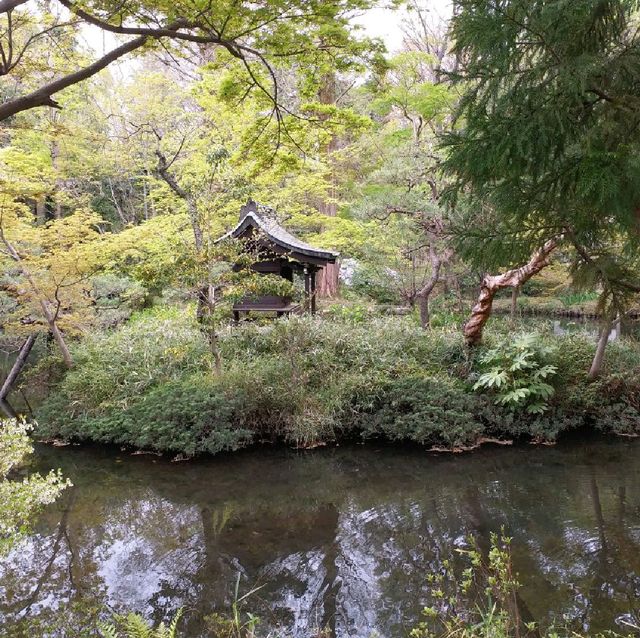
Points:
426	410
376	283
543	148
21	498
354	312
577	298
518	372
189	416
309	381
115	298
478	600
406	89
135	626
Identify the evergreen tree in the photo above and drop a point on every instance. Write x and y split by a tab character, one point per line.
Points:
548	143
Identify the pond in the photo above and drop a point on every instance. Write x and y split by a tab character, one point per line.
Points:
343	537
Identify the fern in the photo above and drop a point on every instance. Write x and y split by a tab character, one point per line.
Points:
135	626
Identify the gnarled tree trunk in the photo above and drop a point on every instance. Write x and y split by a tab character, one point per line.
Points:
491	284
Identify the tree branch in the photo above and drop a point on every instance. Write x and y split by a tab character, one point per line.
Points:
9	5
43	95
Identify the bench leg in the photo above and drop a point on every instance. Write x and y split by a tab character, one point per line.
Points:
236	316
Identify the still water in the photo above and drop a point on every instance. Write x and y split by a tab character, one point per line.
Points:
343	537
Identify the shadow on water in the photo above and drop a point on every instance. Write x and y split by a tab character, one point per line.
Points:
343	537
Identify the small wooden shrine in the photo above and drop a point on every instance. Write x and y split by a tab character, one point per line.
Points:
279	253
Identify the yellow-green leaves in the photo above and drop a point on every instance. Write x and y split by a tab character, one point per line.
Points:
21	499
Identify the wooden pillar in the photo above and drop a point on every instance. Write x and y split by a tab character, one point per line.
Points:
313	292
307	289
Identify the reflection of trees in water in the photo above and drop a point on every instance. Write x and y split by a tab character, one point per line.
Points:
577	556
344	539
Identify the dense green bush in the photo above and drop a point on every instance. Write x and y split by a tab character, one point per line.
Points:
189	416
149	384
377	283
116	298
426	410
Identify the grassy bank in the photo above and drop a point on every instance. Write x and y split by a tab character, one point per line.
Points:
150	385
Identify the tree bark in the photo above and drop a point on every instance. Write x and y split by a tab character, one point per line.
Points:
514	303
598	359
328	282
425	292
491	284
57	335
425	317
207	321
17	366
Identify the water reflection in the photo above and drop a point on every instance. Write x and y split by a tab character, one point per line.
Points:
343	538
592	327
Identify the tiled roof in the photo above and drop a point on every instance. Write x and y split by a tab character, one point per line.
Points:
264	218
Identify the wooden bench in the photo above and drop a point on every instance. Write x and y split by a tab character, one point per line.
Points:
282	306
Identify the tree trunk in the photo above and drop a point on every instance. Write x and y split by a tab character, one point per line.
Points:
55	156
514	303
41	210
425	292
59	337
144	198
492	283
328	282
114	198
598	359
17	366
9	412
209	325
192	208
425	319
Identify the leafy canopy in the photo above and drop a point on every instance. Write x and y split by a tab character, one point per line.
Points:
548	143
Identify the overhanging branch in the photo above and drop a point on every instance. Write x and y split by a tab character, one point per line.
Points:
43	95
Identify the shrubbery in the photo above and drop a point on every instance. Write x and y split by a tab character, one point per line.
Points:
150	384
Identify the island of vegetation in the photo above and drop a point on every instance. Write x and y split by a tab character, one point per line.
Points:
406	198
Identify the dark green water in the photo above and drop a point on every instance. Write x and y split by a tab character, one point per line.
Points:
344	536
